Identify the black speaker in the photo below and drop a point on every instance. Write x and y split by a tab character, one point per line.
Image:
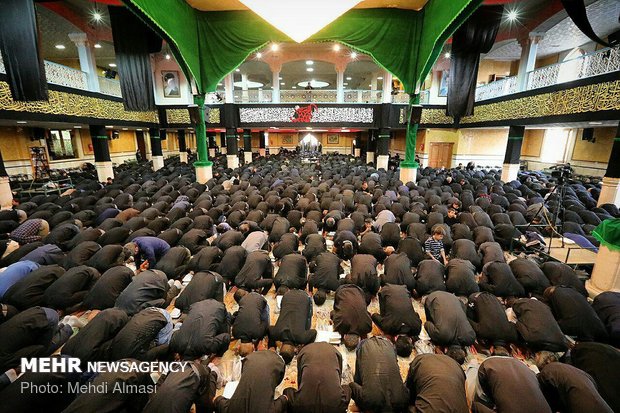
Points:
38	134
588	134
115	134
110	74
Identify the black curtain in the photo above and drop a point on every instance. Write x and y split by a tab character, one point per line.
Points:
20	50
475	36
133	42
576	10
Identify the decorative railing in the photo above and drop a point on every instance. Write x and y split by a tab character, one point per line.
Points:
2	69
302	96
498	88
253	96
65	76
363	96
400	97
110	87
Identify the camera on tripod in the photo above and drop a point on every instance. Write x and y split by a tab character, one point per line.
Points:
562	172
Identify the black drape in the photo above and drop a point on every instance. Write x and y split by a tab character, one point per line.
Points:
20	50
576	10
99	137
475	36
513	148
182	142
613	167
155	134
133	41
3	171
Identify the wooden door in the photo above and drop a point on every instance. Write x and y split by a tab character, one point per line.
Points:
440	155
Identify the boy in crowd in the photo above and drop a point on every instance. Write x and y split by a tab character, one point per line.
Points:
434	246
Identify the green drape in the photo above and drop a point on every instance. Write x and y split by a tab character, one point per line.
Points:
608	233
210	45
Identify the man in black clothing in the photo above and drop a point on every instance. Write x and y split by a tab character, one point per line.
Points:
292	273
397	317
607	307
397	270
68	292
30	290
447	324
232	262
414	250
430	277
174	263
350	316
148	289
372	244
345	245
203	286
461	278
145	337
427	380
390	235
319	373
530	276
364	275
293	326
107	288
325	275
488	318
251	321
497	278
569	389
377	385
256	273
177	391
314	245
509	386
575	315
559	273
537	327
261	373
205	331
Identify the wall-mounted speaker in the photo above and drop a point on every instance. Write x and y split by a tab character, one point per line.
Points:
37	134
588	134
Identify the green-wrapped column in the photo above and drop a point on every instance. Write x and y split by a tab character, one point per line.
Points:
247	145
409	167
203	166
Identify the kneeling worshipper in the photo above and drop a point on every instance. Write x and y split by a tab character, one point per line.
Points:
397	270
537	327
256	273
204	285
107	288
364	274
488	318
319	374
292	273
251	321
293	326
67	292
145	337
13	273
174	263
325	275
146	251
350	315
261	373
31	230
148	289
430	277
497	278
607	307
377	385
530	276
30	290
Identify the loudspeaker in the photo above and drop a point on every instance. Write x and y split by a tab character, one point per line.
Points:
588	134
115	134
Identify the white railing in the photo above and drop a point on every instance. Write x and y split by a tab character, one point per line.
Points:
593	64
65	76
314	96
363	96
253	96
110	87
498	88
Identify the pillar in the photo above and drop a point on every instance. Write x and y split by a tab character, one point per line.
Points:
606	272
101	148
383	147
371	145
223	149
262	144
610	192
182	145
409	166
232	159
357	145
510	169
275	86
78	144
527	63
204	167
386	96
339	85
212	144
6	195
229	88
157	155
247	145
87	59
245	95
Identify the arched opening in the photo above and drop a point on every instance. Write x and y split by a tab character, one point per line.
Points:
309	144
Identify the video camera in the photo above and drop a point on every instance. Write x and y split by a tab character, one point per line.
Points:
562	172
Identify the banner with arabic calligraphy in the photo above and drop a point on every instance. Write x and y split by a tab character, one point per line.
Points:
307	114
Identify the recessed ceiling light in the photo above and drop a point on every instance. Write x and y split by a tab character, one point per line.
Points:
380	78
21	122
219	84
125	128
112	65
336	47
447	55
98	46
97	16
109	126
259	55
596	123
280	78
346	130
275	47
139	129
309	62
282	84
309	127
309	69
349	78
77	127
513	15
369	85
60	47
237	70
167	56
294	87
353	55
345	84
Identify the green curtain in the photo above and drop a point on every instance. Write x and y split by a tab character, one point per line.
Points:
210	45
608	233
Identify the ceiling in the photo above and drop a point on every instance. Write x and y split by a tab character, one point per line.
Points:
561	34
224	5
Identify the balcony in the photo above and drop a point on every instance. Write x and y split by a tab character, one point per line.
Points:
60	75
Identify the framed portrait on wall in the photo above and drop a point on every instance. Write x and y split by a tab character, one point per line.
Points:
287	139
171	83
443	85
333	139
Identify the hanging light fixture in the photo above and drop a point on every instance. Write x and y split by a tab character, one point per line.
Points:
300	19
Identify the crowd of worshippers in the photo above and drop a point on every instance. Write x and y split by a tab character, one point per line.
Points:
294	227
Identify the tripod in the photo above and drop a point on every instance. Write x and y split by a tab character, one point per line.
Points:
559	189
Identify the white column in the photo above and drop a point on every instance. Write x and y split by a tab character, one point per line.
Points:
606	272
245	96
610	192
275	86
211	153
387	88
158	162
229	88
374	81
203	174
78	144
6	195
232	161
408	175
147	145
183	157
370	157
529	49
104	170
510	172
357	152
340	86
87	59
382	161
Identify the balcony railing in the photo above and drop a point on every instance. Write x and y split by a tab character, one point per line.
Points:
110	87
498	88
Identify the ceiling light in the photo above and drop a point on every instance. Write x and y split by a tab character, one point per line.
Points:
275	47
347	130
316	84
309	62
349	78
447	55
309	69
98	46
345	84
353	55
280	78
380	78
167	56
259	55
125	128
369	85
512	15
336	47
109	127
596	123
282	84
300	19
22	122
237	70
219	84
77	127
139	129
294	87
97	16
112	65
60	47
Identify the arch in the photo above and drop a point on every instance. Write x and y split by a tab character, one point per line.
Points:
571	66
